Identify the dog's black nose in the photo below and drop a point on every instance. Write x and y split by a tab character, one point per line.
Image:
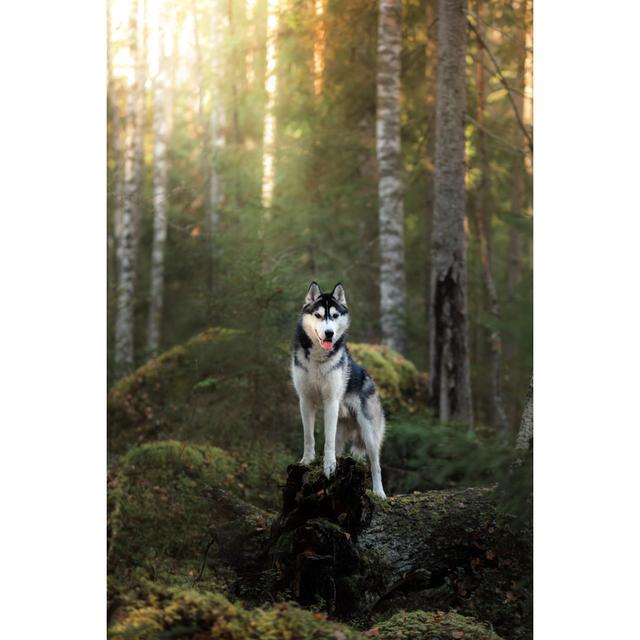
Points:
328	334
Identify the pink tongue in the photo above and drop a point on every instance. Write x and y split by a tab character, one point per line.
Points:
326	344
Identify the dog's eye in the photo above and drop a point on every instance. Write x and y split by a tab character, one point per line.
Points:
335	316
317	315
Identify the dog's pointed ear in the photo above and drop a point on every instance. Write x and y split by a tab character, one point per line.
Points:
338	294
313	293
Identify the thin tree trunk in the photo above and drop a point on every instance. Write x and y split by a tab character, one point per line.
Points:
269	127
448	327
162	123
114	138
319	44
390	190
233	65
431	51
525	433
127	237
217	120
518	177
250	71
209	185
483	227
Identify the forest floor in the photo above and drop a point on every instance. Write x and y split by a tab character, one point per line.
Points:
233	541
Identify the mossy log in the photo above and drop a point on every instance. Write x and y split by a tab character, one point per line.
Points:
336	545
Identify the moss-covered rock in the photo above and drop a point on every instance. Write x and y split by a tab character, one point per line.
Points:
167	498
433	625
215	388
220	388
190	614
402	387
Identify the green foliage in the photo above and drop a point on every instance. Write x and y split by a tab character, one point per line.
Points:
421	454
198	615
433	625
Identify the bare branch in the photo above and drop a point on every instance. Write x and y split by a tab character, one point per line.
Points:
505	84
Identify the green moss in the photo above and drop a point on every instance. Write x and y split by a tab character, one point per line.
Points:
163	398
433	625
162	508
402	387
218	387
194	614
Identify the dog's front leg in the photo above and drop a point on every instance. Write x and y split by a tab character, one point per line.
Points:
308	413
331	408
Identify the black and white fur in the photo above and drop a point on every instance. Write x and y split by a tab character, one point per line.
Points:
325	376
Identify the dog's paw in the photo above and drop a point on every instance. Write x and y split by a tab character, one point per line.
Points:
380	493
329	466
307	460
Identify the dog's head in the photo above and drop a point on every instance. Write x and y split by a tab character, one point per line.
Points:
325	316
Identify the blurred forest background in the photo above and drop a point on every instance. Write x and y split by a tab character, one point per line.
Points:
254	146
242	164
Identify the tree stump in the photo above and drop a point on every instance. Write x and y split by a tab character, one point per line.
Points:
336	546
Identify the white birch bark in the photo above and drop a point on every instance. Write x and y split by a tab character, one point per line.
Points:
525	433
126	239
269	126
162	123
448	323
390	190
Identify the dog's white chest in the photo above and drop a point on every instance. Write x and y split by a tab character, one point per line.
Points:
318	381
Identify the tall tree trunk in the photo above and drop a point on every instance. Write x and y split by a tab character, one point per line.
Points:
126	244
448	328
114	137
212	128
162	124
319	44
218	139
269	127
431	52
232	67
250	12
390	191
483	228
518	176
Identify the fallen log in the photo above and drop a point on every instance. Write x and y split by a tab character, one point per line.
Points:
337	546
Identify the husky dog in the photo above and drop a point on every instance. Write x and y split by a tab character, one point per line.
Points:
325	376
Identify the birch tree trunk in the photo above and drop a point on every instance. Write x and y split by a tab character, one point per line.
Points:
127	238
525	433
390	191
483	228
448	327
162	124
269	127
